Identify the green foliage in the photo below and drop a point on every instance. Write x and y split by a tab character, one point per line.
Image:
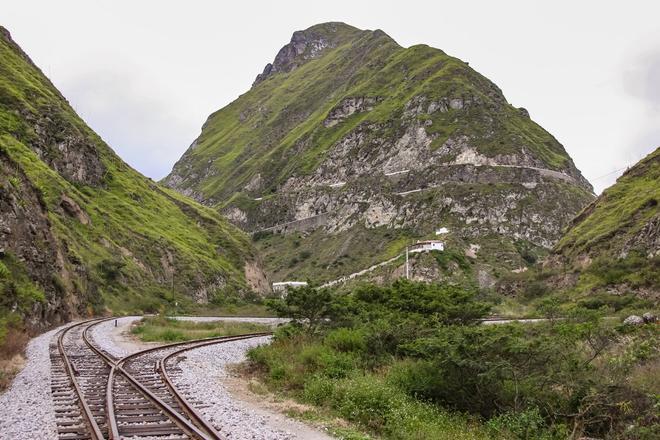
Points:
346	340
18	293
415	301
135	225
445	258
331	363
635	269
390	356
525	424
614	302
609	226
162	329
111	269
307	306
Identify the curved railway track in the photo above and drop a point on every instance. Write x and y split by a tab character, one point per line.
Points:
98	396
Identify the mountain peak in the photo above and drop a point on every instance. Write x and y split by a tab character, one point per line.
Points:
309	44
352	141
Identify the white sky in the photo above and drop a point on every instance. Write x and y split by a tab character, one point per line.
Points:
146	74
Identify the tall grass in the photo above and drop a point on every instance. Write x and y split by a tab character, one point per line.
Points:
161	329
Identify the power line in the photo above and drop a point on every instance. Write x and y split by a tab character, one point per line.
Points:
610	173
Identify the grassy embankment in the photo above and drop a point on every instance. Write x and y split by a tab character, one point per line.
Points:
161	329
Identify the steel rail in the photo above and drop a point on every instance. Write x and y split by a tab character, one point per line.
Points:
185	405
116	366
193	413
207	430
95	431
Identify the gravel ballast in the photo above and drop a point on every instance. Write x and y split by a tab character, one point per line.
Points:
202	375
27	412
104	335
26	408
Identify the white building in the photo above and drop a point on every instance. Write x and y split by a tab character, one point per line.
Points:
441	231
428	245
283	286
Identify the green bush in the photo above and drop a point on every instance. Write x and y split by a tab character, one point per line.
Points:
318	390
324	360
366	400
527	424
405	361
635	269
615	302
417	378
448	256
111	270
345	339
286	331
535	289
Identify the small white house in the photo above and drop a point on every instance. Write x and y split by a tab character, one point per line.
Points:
428	245
283	286
441	231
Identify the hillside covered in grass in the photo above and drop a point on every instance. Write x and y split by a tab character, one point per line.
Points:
83	233
613	246
349	146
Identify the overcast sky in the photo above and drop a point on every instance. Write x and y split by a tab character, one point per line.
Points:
146	74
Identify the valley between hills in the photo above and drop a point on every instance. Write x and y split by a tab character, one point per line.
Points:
370	242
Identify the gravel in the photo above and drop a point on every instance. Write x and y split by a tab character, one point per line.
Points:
105	334
202	375
26	408
201	380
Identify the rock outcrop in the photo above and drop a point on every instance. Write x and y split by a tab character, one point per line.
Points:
349	138
81	232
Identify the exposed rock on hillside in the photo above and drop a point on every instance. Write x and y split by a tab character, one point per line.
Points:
349	146
614	244
80	231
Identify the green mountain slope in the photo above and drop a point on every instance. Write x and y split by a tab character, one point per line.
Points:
348	146
614	244
81	232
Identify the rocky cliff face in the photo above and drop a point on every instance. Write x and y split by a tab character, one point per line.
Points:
81	232
349	146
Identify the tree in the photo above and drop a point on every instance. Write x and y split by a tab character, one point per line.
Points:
307	306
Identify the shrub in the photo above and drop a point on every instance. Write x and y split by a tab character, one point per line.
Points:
111	270
326	361
417	378
307	306
260	235
526	424
345	339
535	289
318	390
29	293
277	372
449	256
286	331
366	400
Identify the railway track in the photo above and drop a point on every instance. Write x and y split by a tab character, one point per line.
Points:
78	383
98	396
